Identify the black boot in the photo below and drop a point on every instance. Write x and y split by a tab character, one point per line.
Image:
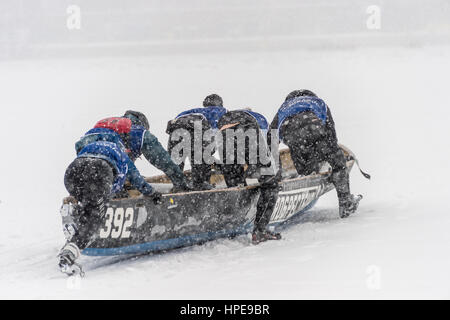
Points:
261	236
349	205
203	186
67	259
201	177
182	188
69	214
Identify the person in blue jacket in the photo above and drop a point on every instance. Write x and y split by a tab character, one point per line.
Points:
305	125
104	161
140	141
243	166
207	118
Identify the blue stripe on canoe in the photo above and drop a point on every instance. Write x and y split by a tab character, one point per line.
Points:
159	245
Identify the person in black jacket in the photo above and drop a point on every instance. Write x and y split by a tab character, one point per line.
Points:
205	118
240	163
305	125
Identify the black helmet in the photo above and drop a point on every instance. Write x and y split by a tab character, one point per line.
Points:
213	100
300	93
137	118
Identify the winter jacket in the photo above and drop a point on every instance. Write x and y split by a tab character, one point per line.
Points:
293	107
211	114
248	119
106	144
140	141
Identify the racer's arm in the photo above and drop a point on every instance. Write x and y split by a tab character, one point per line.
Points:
137	181
331	130
154	152
273	126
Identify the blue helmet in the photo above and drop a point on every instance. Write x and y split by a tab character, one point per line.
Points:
137	118
300	93
213	100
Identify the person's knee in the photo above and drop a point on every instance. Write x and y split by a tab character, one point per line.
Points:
302	163
234	175
337	161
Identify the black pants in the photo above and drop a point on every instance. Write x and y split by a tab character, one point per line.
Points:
90	181
234	157
201	172
309	146
269	190
235	173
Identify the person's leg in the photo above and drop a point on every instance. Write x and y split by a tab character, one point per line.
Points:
201	171
300	147
73	178
348	203
304	159
269	190
339	175
233	174
89	181
97	181
71	207
201	176
265	206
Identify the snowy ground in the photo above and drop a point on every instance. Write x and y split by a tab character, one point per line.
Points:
391	107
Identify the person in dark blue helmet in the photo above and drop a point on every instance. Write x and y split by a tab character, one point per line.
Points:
141	141
245	165
305	125
207	117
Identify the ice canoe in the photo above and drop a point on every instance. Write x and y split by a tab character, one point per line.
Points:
135	225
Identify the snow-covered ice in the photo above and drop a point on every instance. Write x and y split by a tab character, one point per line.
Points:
391	107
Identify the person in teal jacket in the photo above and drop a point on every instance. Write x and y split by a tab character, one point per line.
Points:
105	160
141	141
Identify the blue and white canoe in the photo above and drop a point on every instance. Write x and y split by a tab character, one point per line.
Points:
135	225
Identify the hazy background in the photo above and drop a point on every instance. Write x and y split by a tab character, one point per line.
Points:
37	28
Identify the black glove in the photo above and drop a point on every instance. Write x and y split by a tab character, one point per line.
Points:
182	188
156	197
